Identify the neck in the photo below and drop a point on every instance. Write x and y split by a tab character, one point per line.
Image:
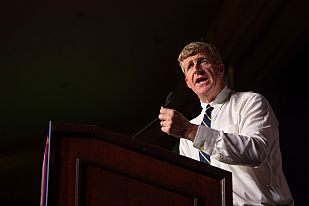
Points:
210	96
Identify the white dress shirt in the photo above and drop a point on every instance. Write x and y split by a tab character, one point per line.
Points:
244	140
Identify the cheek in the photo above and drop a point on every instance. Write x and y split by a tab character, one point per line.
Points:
213	73
217	71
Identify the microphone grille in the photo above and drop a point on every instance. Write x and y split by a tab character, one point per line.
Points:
169	98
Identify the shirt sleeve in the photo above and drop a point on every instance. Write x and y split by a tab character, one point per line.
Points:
184	149
256	128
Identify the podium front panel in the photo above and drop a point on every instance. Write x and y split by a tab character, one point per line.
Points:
91	172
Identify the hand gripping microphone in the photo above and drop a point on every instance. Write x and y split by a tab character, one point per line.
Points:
168	100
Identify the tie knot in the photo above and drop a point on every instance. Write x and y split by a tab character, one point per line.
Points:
209	109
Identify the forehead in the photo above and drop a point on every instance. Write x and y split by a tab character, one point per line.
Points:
196	57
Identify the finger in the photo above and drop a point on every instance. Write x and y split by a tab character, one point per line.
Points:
164	129
164	110
164	124
164	116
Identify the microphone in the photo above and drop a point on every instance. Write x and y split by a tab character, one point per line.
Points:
168	100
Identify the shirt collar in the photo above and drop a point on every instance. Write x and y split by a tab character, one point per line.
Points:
220	99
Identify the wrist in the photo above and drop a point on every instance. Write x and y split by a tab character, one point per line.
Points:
191	132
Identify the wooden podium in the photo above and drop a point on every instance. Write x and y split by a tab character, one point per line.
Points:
91	166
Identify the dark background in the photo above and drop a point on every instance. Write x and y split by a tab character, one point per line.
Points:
113	63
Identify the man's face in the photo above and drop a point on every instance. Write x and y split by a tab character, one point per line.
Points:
203	75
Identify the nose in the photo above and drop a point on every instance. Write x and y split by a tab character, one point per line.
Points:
198	69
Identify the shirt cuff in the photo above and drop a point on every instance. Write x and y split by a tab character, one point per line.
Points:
205	139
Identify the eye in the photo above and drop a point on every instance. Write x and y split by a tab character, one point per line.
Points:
204	61
190	65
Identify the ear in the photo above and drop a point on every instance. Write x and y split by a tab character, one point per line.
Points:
221	70
187	82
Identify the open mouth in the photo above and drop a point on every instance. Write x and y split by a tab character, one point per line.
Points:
201	80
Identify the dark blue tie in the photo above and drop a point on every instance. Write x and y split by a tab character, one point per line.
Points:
207	122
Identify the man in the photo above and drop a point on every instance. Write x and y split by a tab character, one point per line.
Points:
239	133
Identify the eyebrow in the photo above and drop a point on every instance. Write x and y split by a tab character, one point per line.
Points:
198	59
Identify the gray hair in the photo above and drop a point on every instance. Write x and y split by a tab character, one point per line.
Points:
197	47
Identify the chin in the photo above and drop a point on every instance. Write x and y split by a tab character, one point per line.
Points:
203	91
202	94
